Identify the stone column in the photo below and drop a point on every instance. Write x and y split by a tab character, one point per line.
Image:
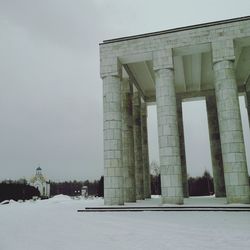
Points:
232	142
113	171
128	142
145	157
215	147
182	148
169	147
138	146
248	99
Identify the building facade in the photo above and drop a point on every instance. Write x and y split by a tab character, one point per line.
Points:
209	61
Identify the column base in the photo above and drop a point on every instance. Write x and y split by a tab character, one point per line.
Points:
140	198
129	195
237	199
238	194
220	195
113	196
185	189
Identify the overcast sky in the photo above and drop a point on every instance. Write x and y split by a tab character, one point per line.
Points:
51	92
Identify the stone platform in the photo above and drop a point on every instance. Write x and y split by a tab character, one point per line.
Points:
193	204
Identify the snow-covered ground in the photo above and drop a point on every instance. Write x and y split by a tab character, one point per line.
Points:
55	224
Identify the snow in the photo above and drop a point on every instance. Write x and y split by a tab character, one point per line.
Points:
55	224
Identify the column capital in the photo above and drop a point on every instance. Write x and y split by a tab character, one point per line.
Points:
223	50
110	66
163	59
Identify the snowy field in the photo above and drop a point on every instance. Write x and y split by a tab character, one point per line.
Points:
55	224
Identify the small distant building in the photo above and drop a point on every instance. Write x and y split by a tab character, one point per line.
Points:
84	191
38	181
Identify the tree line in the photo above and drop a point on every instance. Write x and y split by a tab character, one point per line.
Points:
197	186
21	190
201	185
17	190
73	188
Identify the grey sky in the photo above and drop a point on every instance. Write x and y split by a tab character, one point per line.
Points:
50	89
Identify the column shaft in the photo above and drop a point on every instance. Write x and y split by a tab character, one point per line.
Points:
138	146
128	142
113	171
215	146
169	147
182	148
232	143
248	102
145	157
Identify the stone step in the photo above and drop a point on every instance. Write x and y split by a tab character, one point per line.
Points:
169	209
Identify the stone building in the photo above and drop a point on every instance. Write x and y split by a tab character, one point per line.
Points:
38	181
209	61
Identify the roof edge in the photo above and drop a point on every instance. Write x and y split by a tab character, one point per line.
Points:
196	26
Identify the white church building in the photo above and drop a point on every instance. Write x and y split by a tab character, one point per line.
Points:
38	181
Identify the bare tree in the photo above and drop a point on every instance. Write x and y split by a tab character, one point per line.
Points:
155	178
154	168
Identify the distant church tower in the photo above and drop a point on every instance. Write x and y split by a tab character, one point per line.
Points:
38	181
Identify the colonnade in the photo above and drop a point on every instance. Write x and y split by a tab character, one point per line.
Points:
125	134
127	174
